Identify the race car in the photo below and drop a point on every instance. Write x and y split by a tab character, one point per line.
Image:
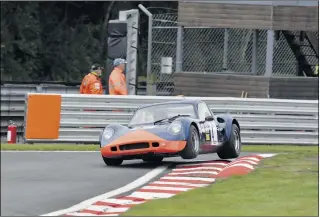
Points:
183	128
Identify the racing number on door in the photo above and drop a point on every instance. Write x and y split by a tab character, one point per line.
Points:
208	132
211	133
205	131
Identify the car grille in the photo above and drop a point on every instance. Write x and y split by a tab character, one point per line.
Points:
134	146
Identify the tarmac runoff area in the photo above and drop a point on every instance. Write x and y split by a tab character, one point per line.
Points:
47	183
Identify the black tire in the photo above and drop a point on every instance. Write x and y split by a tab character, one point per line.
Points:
191	150
154	159
112	161
231	149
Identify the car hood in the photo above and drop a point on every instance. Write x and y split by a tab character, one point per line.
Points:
147	130
150	126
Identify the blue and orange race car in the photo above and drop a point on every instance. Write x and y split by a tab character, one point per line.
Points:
183	128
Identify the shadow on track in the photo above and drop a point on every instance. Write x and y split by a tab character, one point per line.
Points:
172	164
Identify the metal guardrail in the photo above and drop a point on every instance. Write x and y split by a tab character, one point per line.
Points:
262	121
13	100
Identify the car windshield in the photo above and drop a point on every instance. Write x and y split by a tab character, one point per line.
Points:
158	112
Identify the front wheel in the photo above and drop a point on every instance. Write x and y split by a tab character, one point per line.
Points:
231	148
112	161
191	150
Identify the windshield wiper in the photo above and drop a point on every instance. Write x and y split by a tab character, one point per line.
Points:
171	118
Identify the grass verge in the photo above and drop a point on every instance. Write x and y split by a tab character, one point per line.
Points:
284	185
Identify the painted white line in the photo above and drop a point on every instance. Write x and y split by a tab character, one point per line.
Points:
166	188
215	163
89	214
267	155
109	215
198	168
81	214
203	164
97	208
151	195
242	165
179	184
194	172
121	201
115	209
106	209
49	151
188	178
250	161
249	158
133	185
244	160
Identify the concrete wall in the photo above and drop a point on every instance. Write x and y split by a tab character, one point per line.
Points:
210	85
294	88
248	16
222	85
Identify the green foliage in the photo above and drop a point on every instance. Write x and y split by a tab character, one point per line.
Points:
56	41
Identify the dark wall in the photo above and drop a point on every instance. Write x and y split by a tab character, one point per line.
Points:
211	85
220	15
298	18
294	88
222	85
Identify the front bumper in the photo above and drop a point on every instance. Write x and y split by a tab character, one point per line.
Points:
144	147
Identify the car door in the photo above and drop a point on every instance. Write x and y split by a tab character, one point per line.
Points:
209	128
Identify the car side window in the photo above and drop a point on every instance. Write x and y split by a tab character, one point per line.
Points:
203	111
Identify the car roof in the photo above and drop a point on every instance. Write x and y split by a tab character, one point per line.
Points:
185	101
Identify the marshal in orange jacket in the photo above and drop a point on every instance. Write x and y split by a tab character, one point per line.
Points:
117	82
91	84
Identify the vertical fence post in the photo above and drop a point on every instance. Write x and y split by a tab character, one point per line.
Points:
149	55
179	51
131	17
225	49
255	51
269	55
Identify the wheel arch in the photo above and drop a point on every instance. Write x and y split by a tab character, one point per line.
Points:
234	121
187	124
192	123
196	126
229	122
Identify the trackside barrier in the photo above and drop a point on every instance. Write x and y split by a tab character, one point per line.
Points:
63	117
13	100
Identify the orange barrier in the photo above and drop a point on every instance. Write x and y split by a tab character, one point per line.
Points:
43	116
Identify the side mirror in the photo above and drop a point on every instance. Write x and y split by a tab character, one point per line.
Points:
209	118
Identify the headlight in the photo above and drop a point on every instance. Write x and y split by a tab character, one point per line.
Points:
175	128
108	133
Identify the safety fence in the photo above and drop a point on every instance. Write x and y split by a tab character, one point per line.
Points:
217	50
73	118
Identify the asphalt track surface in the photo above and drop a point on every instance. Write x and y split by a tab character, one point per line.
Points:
36	183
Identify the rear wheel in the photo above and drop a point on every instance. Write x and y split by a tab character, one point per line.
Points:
112	161
232	148
154	159
193	144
